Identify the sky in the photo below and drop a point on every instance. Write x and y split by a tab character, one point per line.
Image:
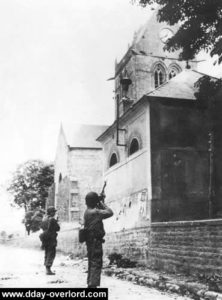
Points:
55	59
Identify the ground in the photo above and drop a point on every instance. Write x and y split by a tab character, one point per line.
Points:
24	268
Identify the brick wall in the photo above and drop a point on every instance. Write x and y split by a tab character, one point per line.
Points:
188	247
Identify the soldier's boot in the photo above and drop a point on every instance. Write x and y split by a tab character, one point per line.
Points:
49	271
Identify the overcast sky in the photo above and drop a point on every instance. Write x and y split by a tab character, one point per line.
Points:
55	58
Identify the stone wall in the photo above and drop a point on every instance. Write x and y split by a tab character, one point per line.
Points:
68	241
51	197
62	204
187	247
85	168
131	243
60	161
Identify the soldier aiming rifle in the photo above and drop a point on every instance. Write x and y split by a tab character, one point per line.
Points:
94	215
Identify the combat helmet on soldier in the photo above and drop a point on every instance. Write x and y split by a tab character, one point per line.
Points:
51	210
92	199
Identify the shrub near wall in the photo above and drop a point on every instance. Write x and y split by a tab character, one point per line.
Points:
132	243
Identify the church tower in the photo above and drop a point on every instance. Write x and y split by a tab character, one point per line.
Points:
146	65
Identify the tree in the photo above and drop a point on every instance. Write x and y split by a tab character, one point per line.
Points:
200	25
30	183
206	95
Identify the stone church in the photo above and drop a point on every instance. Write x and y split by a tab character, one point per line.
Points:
158	161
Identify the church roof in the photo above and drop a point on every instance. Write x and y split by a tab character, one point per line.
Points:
82	135
181	86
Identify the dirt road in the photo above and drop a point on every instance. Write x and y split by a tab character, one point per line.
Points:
24	268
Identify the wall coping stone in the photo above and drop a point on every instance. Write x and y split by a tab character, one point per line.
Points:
147	227
207	222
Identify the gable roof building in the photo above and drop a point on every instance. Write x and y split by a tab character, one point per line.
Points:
78	168
82	135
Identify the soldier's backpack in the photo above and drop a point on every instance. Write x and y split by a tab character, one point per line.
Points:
36	221
82	235
44	236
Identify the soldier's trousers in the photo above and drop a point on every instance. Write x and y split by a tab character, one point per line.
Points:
95	262
50	253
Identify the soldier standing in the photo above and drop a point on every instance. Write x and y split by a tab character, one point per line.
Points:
50	228
93	223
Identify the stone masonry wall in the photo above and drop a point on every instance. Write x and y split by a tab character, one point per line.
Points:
68	241
51	197
85	165
62	204
187	247
131	243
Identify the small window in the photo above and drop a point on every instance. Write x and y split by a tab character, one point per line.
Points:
174	70
60	177
74	184
74	200
159	76
172	74
134	146
113	160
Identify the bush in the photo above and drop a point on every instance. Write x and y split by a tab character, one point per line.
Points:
120	261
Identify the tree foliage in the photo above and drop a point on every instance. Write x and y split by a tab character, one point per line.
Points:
207	89
200	25
30	183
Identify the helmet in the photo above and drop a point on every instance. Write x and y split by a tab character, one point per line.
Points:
51	209
92	199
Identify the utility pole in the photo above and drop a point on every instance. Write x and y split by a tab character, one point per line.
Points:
211	150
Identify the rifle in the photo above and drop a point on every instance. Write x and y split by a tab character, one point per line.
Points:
102	194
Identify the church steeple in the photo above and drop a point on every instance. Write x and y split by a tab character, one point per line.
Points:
146	63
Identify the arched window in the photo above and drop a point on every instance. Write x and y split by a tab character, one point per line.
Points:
113	160
60	177
172	74
134	146
173	71
159	75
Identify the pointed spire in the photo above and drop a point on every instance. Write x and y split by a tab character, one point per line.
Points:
116	63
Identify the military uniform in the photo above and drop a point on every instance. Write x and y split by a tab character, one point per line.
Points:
50	228
95	232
